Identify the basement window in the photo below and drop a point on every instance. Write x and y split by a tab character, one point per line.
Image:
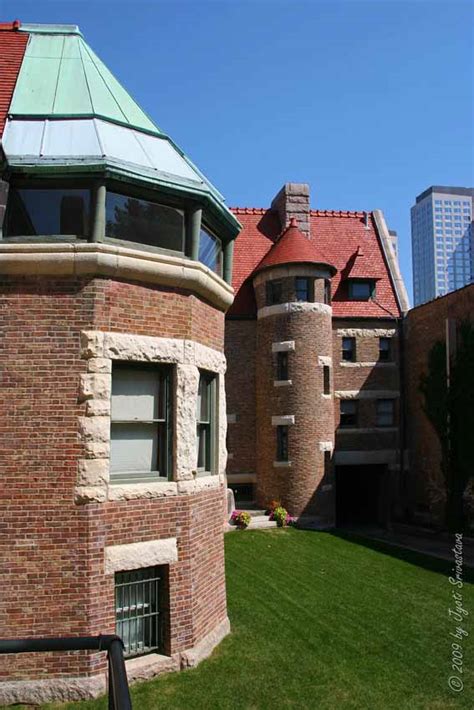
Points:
135	220
141	424
35	212
139	610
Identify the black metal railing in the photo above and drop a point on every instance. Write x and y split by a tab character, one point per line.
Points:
119	694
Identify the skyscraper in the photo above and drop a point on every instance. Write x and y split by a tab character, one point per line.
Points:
442	241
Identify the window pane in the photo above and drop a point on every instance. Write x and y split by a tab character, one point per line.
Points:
210	251
274	292
136	395
360	290
282	366
302	289
326	378
348	349
134	447
44	212
282	443
144	222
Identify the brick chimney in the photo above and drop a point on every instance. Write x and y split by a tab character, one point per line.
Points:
293	201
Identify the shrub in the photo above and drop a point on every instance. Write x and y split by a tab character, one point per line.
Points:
271	507
280	515
240	518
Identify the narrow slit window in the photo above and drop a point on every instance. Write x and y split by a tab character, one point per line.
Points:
326	379
385	414
385	349
282	443
282	366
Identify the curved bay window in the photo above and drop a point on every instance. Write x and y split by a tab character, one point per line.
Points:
210	251
33	212
135	220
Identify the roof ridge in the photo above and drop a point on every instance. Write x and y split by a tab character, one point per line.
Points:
338	213
249	210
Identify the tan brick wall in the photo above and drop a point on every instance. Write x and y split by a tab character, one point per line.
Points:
52	553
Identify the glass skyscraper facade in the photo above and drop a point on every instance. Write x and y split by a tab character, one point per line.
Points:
442	241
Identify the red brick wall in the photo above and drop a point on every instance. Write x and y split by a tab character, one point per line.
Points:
52	550
425	325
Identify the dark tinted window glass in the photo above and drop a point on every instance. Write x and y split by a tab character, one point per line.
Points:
282	443
385	412
210	251
349	409
144	222
327	379
348	349
282	366
44	212
361	290
327	291
303	289
274	292
385	349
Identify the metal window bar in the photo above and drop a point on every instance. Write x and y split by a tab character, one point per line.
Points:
119	693
137	610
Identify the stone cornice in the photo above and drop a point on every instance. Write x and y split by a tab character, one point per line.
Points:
115	262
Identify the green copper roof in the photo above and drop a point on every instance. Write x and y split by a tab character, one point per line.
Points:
56	62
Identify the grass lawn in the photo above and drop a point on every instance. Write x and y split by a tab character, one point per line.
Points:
324	622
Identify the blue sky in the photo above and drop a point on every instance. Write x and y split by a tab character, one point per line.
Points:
368	102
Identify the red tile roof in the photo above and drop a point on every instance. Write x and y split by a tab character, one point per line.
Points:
12	49
336	238
292	247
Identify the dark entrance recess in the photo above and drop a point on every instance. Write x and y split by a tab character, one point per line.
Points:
359	495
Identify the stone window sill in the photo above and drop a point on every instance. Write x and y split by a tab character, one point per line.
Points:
282	464
282	383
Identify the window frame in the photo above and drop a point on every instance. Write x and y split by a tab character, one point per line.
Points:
379	415
307	289
326	379
164	456
220	260
273	287
385	354
370	283
208	427
282	369
282	449
155	579
344	416
327	292
349	354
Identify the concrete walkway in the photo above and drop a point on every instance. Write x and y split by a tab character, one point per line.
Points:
418	540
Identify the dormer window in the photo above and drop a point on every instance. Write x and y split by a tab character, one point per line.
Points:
361	289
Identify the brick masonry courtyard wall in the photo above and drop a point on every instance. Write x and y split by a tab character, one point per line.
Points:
53	544
426	325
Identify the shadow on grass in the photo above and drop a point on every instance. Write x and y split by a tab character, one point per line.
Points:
420	559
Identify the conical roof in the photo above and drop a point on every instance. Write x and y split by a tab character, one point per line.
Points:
293	247
69	113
